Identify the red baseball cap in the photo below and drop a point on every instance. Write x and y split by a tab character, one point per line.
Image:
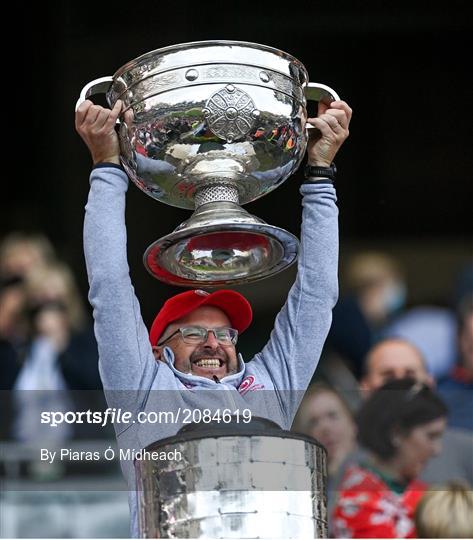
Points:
233	304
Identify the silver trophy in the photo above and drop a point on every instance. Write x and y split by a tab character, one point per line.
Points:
233	481
210	126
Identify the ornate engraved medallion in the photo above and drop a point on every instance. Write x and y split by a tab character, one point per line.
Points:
230	113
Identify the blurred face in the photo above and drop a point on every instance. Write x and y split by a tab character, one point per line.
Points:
393	360
200	359
20	259
418	446
383	297
330	423
466	344
51	287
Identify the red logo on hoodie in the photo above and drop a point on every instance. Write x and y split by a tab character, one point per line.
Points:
247	384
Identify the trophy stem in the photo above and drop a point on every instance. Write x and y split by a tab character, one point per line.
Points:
216	192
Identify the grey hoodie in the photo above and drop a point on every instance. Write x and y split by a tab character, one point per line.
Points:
271	385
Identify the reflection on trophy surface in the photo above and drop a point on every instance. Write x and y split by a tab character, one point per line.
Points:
210	126
233	481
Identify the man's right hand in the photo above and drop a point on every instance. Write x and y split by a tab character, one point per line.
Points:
96	126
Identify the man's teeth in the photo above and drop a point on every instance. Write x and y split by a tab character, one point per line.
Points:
208	362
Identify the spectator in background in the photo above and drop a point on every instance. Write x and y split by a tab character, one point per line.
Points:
325	416
390	359
446	512
395	359
376	291
432	330
400	426
61	355
19	254
457	388
54	286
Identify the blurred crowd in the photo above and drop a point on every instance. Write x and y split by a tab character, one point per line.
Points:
48	352
391	401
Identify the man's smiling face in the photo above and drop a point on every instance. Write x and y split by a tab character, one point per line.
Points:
209	359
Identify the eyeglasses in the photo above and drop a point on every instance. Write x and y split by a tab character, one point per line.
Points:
194	335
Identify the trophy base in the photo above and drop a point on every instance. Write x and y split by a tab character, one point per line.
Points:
220	245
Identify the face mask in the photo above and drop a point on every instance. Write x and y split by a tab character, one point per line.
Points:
395	297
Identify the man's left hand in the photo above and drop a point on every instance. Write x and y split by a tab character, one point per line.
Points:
332	123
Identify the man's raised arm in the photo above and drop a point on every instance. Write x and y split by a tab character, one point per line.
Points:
292	353
126	359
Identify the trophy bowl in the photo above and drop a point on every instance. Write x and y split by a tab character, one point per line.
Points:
210	126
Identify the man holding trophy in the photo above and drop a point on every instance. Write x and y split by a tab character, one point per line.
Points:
189	358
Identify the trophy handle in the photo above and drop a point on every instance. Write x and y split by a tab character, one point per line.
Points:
98	86
320	92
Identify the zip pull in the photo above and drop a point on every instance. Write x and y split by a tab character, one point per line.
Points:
216	379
